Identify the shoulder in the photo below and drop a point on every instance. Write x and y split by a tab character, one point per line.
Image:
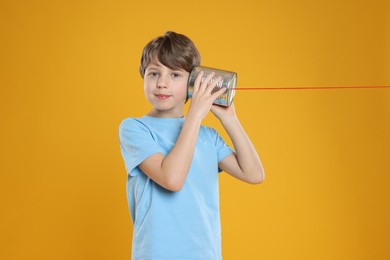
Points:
131	123
133	127
211	135
207	129
208	132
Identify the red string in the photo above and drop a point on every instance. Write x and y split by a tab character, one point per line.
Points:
295	88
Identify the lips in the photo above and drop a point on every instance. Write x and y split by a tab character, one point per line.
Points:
162	96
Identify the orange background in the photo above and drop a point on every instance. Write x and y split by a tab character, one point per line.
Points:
69	75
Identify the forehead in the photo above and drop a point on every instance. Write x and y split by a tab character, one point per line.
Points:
155	63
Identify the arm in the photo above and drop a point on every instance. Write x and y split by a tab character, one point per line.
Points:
245	164
171	171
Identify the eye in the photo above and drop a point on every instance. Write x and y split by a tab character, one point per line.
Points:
153	74
176	75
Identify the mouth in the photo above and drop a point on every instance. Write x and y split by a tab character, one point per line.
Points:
162	96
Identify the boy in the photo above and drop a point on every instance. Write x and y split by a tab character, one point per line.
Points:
173	162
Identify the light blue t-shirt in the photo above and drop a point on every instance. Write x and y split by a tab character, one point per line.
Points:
183	225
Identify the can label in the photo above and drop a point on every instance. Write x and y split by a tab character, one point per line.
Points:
229	80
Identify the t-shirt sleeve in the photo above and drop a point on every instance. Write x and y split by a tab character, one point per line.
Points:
223	150
136	143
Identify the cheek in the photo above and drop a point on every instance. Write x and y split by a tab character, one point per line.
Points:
148	85
147	90
183	89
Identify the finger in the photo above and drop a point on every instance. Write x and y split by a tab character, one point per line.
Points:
198	80
215	85
207	81
218	92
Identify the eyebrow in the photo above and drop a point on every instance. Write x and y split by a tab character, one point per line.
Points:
157	66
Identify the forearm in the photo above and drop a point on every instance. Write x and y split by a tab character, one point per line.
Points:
247	157
176	164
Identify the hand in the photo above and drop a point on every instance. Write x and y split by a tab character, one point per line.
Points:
202	96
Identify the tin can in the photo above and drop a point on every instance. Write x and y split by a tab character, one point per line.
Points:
229	80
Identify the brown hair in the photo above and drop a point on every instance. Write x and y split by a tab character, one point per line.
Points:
173	50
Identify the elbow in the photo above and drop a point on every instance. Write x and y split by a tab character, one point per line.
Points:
174	185
258	178
174	188
172	181
256	181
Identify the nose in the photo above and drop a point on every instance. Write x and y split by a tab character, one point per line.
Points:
161	82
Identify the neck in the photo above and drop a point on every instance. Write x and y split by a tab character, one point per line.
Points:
165	114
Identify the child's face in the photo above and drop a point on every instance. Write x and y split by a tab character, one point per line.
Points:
165	89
